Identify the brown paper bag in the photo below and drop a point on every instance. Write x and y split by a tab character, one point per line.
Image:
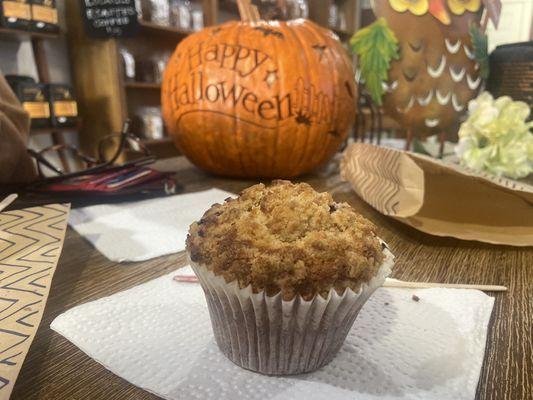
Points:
439	197
30	244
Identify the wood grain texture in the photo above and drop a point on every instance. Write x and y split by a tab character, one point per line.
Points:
95	67
56	369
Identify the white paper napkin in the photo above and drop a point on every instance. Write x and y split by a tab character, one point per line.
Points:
158	337
141	230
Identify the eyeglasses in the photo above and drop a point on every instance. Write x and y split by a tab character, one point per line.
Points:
110	148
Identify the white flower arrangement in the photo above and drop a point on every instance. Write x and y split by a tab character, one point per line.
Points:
496	137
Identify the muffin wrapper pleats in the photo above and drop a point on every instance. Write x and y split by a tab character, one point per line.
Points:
277	337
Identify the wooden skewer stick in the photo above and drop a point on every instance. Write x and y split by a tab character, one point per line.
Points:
7	201
394	283
186	278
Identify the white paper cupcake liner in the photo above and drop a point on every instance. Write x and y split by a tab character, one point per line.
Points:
277	337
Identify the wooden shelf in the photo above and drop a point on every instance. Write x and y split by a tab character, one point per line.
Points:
142	85
163	140
48	131
161	30
19	33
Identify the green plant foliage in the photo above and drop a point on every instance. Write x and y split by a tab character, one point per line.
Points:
481	52
376	45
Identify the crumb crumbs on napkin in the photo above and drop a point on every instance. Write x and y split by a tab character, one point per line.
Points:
415	298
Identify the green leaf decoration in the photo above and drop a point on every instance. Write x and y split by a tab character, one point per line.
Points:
481	52
376	45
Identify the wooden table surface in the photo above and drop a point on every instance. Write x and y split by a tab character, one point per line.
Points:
56	369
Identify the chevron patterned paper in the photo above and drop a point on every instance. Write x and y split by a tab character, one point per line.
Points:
30	244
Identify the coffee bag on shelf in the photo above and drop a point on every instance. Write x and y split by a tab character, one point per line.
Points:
34	99
44	16
63	106
15	14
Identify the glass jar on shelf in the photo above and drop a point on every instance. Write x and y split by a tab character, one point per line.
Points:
197	17
151	122
185	15
160	63
174	13
181	14
298	9
128	62
156	11
343	26
333	18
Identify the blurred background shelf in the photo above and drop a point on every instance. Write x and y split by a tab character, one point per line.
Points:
151	142
106	98
37	40
51	130
143	85
19	33
150	28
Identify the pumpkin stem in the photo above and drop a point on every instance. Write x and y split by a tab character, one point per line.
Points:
247	11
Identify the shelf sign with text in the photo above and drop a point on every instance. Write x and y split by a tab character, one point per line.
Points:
109	18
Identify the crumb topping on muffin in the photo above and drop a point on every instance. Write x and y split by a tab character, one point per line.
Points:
287	237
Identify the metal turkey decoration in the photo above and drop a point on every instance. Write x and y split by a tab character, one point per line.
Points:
424	60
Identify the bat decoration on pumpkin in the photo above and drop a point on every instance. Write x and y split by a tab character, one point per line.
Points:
424	60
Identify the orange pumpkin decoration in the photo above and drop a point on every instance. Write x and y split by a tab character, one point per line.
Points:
259	99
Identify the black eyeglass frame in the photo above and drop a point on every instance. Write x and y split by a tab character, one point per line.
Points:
94	165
